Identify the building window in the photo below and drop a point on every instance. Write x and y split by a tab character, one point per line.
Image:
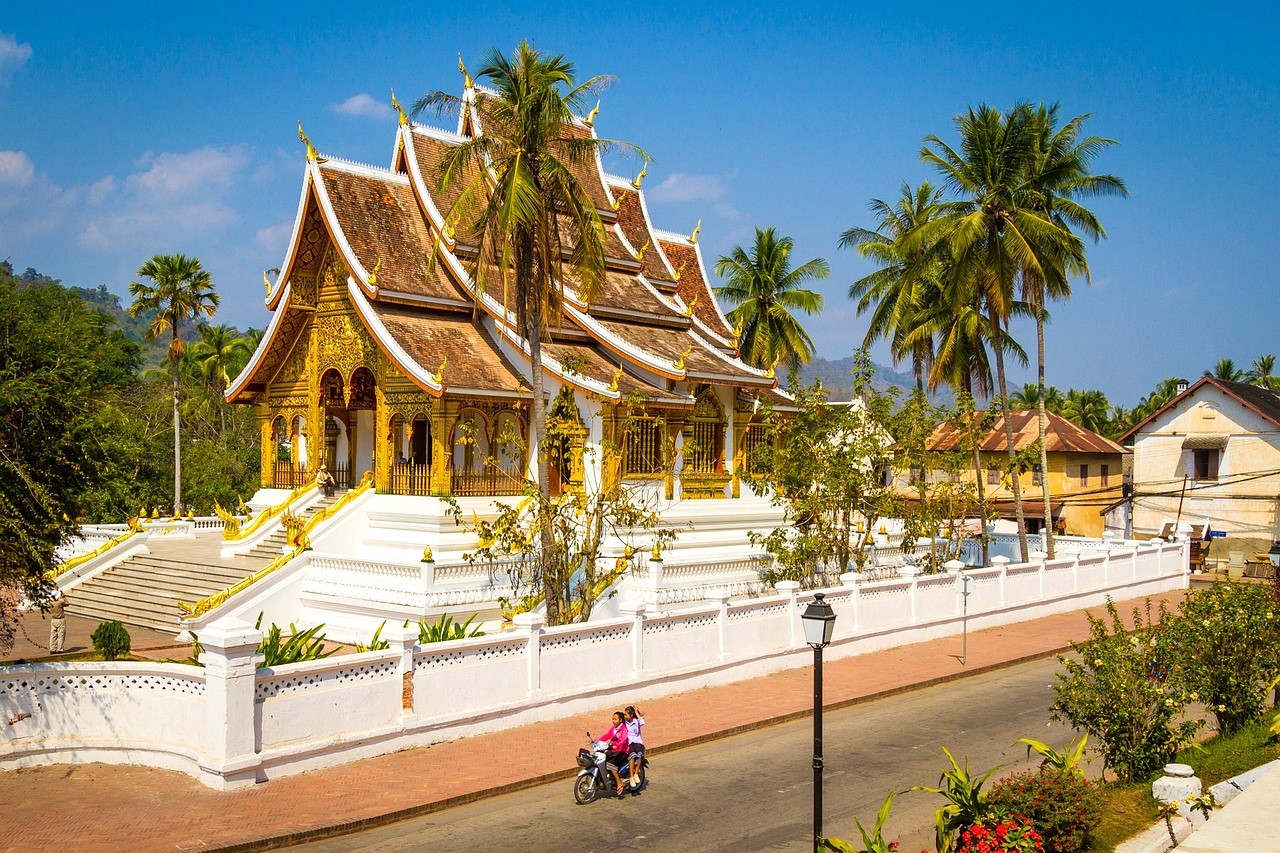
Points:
1037	475
1106	475
993	476
916	475
1206	462
1084	475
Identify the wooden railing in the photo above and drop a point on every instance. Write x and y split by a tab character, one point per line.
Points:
410	479
286	475
486	481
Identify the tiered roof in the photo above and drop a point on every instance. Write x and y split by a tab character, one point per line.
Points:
654	322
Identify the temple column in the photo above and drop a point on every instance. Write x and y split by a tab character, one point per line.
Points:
268	449
442	414
382	452
739	429
677	429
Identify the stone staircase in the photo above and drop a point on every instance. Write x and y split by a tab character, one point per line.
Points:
144	590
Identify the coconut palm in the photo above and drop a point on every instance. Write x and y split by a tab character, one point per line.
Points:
180	290
1263	373
220	354
1058	175
531	221
897	287
1088	409
993	233
766	291
1226	370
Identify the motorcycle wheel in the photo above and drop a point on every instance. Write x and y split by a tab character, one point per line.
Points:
584	789
643	777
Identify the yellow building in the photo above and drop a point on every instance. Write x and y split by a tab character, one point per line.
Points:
1084	477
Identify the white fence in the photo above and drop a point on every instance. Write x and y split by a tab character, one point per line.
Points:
231	724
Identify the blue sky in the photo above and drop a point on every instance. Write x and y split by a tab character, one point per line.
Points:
133	129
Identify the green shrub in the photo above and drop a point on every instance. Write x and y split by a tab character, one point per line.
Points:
1225	644
376	643
1118	693
445	628
112	640
300	646
966	804
1063	806
872	842
995	834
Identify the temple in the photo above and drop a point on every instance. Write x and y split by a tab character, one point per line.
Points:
383	356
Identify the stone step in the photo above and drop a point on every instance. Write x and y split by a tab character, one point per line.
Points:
162	575
165	624
161	586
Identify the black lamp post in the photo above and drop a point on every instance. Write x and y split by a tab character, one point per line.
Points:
819	622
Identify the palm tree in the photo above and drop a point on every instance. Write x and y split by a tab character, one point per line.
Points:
1263	373
1088	409
220	353
1226	370
993	233
766	290
530	220
1058	175
898	286
180	290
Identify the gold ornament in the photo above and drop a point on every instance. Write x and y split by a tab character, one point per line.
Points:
684	355
266	282
688	310
590	120
373	273
613	385
640	177
467	82
439	377
404	119
643	249
680	271
617	202
311	149
693	238
656	553
427	556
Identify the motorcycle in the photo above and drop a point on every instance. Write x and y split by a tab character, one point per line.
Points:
595	778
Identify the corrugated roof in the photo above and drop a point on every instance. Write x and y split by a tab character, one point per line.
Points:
1061	436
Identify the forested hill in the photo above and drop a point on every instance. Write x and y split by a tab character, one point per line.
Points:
837	377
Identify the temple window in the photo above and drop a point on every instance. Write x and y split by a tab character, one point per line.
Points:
642	446
704	446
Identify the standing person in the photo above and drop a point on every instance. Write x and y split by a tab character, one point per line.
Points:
58	623
619	747
635	734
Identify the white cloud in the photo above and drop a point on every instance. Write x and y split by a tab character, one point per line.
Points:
205	169
16	169
12	56
274	238
684	187
364	106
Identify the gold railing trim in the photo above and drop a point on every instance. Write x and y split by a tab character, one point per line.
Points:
269	513
67	565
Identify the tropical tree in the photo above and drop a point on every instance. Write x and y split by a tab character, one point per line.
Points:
180	290
1226	370
1088	409
532	222
1058	175
994	232
898	287
766	291
220	353
1263	373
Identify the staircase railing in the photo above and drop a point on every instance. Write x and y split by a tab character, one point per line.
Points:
80	559
236	532
299	542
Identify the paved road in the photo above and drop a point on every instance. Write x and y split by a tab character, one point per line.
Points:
754	792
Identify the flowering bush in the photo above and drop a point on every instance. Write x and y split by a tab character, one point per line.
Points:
1226	644
1062	805
1118	692
1001	835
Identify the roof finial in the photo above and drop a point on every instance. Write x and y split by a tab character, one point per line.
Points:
311	149
617	202
404	119
644	170
643	249
613	385
467	82
683	356
693	238
372	278
439	377
680	271
266	282
590	120
688	309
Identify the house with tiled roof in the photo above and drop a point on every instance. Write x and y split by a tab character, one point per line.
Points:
1083	480
383	355
1211	455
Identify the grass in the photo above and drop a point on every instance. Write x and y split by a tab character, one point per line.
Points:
1130	809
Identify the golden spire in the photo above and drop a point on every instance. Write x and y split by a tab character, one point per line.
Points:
640	177
613	385
590	120
266	282
686	354
373	273
311	149
680	271
404	119
439	377
688	309
643	249
467	82
693	238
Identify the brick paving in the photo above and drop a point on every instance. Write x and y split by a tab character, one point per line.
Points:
33	640
103	807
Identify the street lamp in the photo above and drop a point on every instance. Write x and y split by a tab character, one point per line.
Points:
819	622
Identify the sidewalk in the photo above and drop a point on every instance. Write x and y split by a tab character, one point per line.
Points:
32	643
102	807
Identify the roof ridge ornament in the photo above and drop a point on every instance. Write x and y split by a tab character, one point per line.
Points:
688	309
266	282
590	120
439	375
467	82
693	238
639	256
683	356
613	384
395	104
372	277
644	170
680	271
617	202
306	140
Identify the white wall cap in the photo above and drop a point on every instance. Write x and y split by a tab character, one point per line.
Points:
229	632
1000	561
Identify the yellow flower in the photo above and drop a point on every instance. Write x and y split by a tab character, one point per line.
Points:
1097	661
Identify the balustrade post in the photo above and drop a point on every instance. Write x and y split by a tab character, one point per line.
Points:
1075	570
531	625
721	599
401	639
635	609
655	576
1041	558
912	573
427	572
853	580
955	567
1002	563
230	657
791	589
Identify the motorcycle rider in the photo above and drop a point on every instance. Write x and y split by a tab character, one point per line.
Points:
619	747
635	735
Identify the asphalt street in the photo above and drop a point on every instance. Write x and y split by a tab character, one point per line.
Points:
754	791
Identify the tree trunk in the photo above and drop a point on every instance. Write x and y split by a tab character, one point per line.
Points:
979	477
177	445
1044	451
1008	435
